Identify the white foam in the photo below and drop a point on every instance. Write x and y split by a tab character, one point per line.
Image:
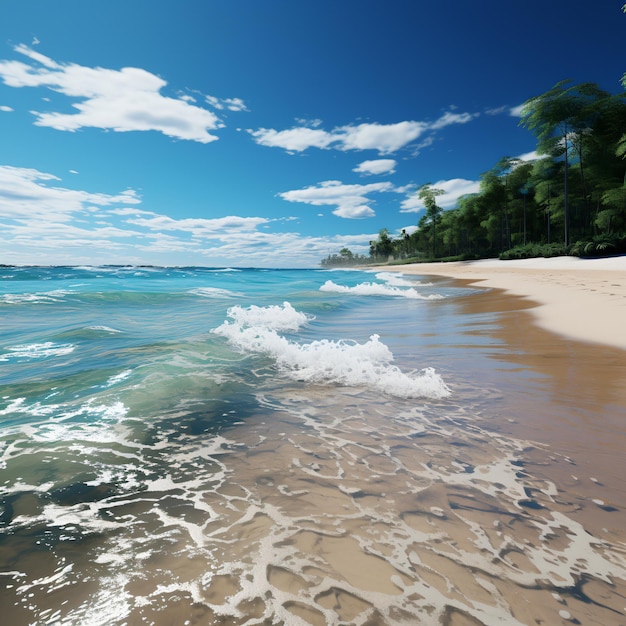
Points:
37	298
104	329
278	318
118	378
397	280
214	292
325	361
60	427
37	351
378	289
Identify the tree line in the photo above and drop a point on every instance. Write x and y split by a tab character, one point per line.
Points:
571	199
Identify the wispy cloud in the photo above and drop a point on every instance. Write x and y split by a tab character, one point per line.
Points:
45	222
351	201
230	104
453	189
6	108
529	156
28	194
385	138
376	167
199	227
128	99
450	117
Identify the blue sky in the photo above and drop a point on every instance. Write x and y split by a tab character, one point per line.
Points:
266	133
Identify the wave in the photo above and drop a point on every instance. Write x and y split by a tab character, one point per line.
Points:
87	333
104	329
118	378
214	292
274	317
378	289
56	295
398	280
37	351
347	363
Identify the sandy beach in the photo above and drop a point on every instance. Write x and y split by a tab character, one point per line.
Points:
564	318
583	299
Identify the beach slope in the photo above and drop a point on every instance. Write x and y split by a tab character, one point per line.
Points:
583	299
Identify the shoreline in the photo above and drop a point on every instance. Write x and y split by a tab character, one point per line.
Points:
564	320
580	299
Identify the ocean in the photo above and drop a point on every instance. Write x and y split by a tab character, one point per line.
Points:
189	446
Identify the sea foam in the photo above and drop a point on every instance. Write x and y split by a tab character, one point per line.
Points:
397	280
37	351
378	289
214	292
256	330
45	297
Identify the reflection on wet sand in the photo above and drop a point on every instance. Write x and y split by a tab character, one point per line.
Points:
575	405
330	507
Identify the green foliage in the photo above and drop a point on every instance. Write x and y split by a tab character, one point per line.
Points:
345	258
533	250
601	245
432	219
382	248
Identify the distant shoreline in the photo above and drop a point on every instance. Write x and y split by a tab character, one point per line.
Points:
583	299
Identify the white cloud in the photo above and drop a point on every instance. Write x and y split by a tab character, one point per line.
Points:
231	104
409	230
515	111
26	194
529	156
289	249
311	123
449	118
498	110
45	222
6	109
123	100
453	190
351	201
199	227
376	166
385	138
294	139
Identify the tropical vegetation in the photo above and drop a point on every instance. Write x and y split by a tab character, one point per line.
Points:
571	199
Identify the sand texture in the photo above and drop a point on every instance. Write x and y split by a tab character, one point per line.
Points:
583	299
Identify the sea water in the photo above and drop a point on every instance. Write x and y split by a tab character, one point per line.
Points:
225	446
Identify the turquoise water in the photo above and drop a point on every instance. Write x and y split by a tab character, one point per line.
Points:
196	445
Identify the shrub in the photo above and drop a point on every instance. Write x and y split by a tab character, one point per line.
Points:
534	250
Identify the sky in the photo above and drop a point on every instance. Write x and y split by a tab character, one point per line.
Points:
249	133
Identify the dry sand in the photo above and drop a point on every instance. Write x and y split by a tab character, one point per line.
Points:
583	299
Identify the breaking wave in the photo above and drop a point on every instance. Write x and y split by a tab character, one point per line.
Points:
348	363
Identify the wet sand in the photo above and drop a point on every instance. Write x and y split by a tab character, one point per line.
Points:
564	319
583	299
